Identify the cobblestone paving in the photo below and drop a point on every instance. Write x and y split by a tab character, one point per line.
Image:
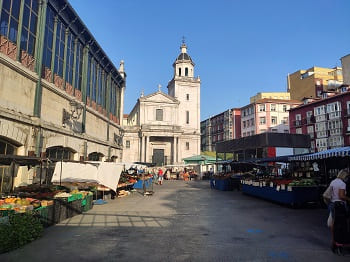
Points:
185	221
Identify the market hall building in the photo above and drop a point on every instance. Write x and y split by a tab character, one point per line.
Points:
60	95
165	128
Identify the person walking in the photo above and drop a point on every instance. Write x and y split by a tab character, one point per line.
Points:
160	176
338	197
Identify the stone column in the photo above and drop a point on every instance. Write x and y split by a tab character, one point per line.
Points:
141	148
174	150
147	149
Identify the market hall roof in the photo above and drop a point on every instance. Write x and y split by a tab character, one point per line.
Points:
264	140
73	21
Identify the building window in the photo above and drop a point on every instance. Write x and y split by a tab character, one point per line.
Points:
70	59
30	16
298	131
49	28
9	19
262	120
127	144
261	108
285	108
179	71
79	70
187	117
159	114
274	120
186	71
59	53
59	152
187	97
273	107
187	145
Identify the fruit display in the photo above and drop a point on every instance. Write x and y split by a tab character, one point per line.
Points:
303	182
19	205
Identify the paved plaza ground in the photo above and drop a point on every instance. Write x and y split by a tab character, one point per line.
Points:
186	221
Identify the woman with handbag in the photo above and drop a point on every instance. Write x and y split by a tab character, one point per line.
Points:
337	193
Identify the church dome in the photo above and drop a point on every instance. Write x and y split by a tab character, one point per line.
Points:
184	56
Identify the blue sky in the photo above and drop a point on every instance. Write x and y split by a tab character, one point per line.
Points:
240	47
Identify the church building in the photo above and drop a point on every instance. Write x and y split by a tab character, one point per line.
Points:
165	128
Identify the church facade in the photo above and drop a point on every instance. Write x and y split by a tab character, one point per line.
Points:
165	128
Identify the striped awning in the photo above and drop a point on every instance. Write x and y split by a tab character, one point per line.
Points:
334	152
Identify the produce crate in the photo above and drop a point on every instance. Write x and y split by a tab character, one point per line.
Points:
72	198
79	196
83	202
60	212
45	214
88	205
74	208
5	213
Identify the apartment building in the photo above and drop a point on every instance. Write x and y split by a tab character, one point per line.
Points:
221	127
266	115
271	95
326	119
313	81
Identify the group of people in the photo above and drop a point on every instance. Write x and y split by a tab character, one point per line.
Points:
159	175
338	197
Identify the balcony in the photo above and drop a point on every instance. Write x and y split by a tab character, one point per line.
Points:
334	115
310	120
297	122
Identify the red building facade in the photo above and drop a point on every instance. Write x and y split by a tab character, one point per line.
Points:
326	120
221	127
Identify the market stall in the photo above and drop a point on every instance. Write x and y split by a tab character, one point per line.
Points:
297	179
230	173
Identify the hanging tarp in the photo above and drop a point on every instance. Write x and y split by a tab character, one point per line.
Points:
103	173
334	152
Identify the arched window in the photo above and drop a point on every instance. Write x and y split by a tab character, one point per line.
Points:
6	148
59	152
179	71
186	71
95	156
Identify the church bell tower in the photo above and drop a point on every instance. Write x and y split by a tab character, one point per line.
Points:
185	87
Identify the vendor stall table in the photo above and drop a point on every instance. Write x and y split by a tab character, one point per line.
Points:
294	196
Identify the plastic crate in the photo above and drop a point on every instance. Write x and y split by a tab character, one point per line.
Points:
74	208
83	202
88	205
60	210
5	213
72	198
79	196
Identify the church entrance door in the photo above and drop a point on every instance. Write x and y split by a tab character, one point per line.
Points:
158	157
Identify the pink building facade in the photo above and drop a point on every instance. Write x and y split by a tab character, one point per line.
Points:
266	115
325	120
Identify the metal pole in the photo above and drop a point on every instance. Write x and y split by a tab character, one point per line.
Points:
61	167
13	175
41	171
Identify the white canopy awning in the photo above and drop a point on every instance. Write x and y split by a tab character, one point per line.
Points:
103	173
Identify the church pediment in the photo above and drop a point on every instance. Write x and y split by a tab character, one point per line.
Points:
159	97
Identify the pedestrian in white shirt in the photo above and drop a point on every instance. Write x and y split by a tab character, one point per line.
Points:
338	190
